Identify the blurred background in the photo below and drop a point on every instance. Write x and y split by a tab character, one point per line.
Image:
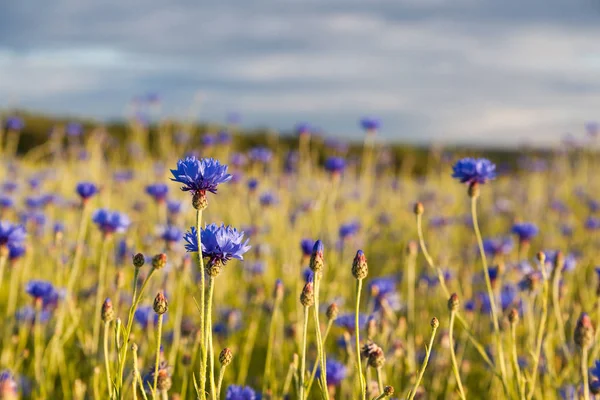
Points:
461	72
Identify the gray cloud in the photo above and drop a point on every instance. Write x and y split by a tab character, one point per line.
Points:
444	70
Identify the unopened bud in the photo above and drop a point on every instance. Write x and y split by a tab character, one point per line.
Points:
159	261
453	302
316	257
139	260
513	316
360	269
584	331
419	209
108	313
332	312
160	304
388	391
435	323
307	297
226	356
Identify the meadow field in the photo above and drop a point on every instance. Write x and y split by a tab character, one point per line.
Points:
326	271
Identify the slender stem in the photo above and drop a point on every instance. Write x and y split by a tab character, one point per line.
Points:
220	381
249	344
410	315
106	359
455	366
515	360
38	348
413	392
202	288
584	373
163	395
379	379
314	370
557	312
361	378
136	372
79	247
302	371
181	290
100	293
491	295
157	361
320	352
208	336
270	340
540	335
3	260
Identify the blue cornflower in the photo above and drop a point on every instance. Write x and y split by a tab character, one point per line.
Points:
592	128
6	202
9	186
223	137
509	297
349	229
85	190
595	375
174	207
474	170
110	221
252	184
593	205
236	392
290	164
42	290
28	314
498	246
370	123
171	234
525	231
208	140
74	129
238	160
36	202
347	321
144	314
255	268
592	223
15	252
10	234
307	246
36	217
14	123
158	191
260	154
121	251
335	165
268	199
307	275
336	372
382	285
148	378
8	385
570	260
200	176
123	176
219	243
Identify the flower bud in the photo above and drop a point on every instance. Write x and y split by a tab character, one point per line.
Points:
584	331
159	261
360	269
332	312
225	357
108	313
541	256
163	382
513	316
419	209
388	391
435	323
160	304
279	290
138	260
453	302
307	297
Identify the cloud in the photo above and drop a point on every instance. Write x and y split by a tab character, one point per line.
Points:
462	70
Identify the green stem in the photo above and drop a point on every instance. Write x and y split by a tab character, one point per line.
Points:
79	247
584	373
413	392
515	360
220	381
137	378
100	293
314	370
540	334
361	378
410	315
181	288
379	379
491	295
557	312
320	352
157	361
106	359
455	366
3	260
202	323
272	326
302	371
38	348
208	337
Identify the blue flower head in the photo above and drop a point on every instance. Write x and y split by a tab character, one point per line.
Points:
303	128
307	246
570	260
595	378
592	223
171	234
252	184
15	252
223	137
74	129
347	321
173	206
260	154
208	140
11	235
200	175
85	190
525	231
268	199
498	246
158	191
144	314
219	243
370	123
236	392
336	372
14	123
42	290
335	165
474	170
8	385
6	202
349	229
110	221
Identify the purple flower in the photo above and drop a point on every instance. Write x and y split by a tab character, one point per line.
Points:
171	234
144	314
200	175
11	235
111	221
9	186
223	137
307	275
307	246
592	223
268	199
335	165
174	207
123	176
498	246
74	129
260	154
219	243
14	123
15	252
85	190
349	229
347	321
336	372
158	191
28	314
525	231
252	184
474	170
238	160
592	128
570	260
370	123
236	392
208	140
42	290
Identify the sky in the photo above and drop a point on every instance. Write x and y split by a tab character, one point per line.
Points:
449	71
